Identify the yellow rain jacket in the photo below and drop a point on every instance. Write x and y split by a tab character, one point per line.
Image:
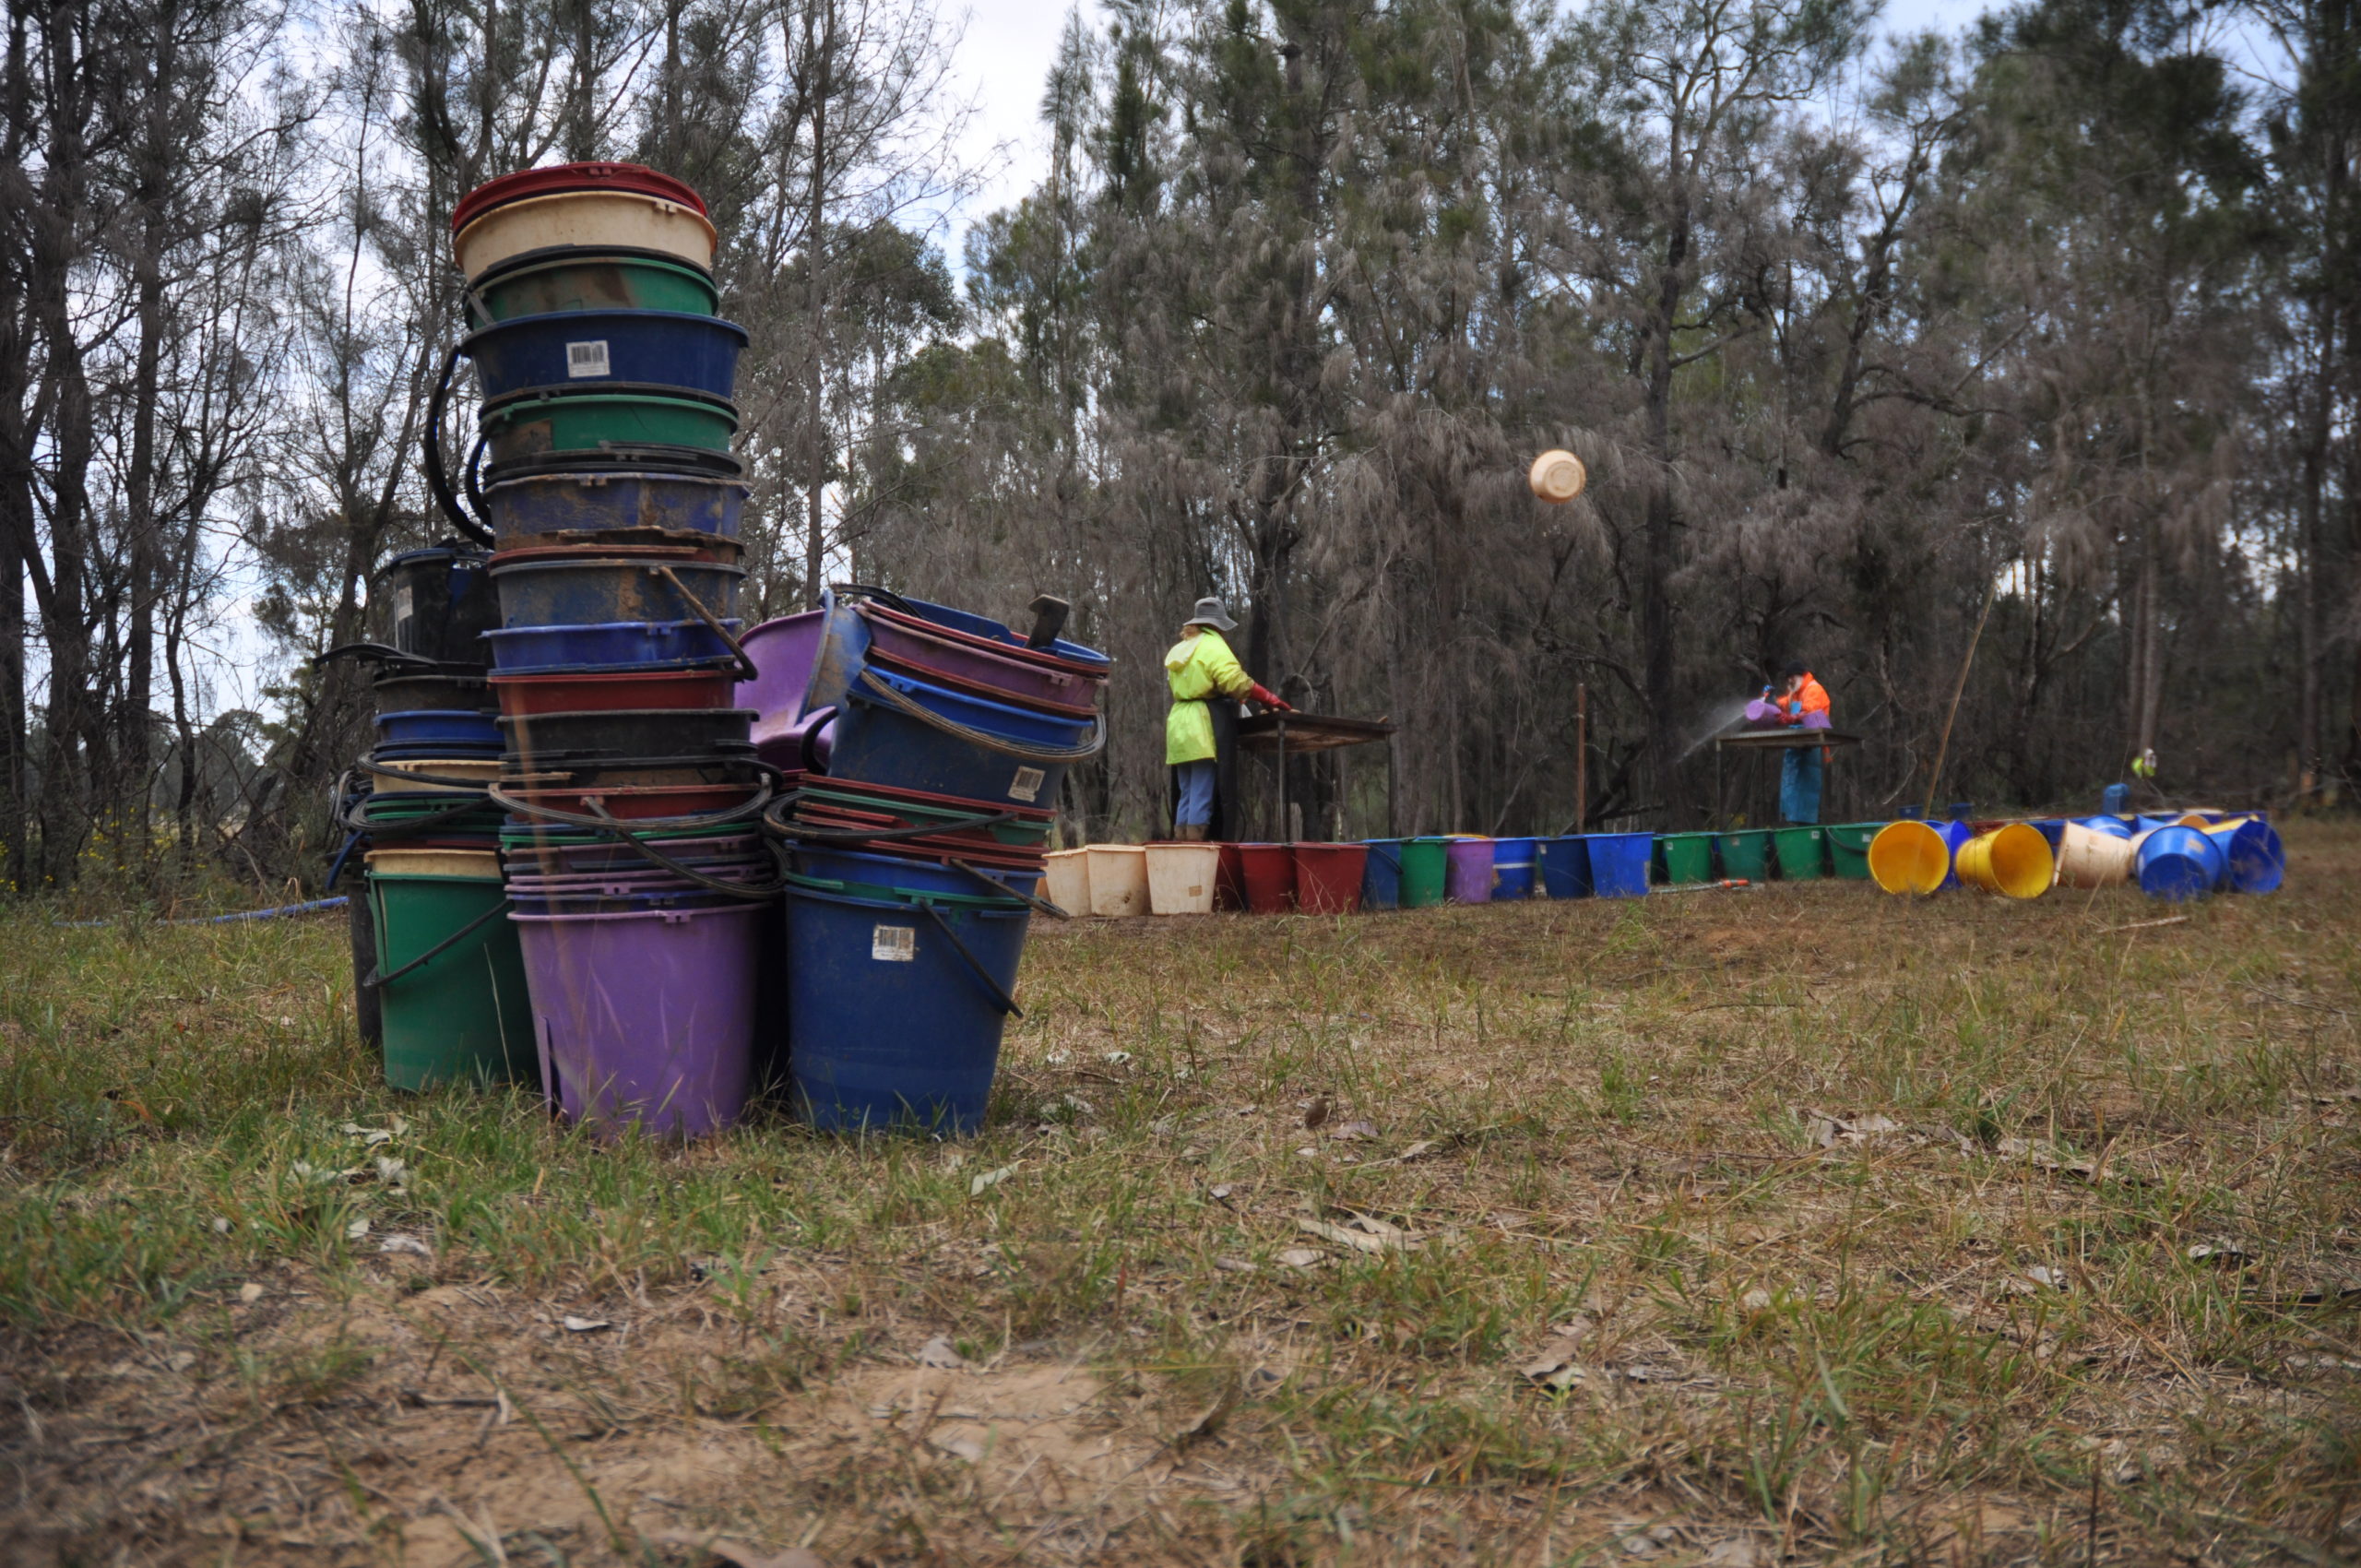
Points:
1198	668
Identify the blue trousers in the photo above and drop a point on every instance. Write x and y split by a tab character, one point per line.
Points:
1196	807
1799	772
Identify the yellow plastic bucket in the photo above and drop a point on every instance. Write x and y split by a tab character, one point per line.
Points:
602	219
2013	861
2087	857
1909	857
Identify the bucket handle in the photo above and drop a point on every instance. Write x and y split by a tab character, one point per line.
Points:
1006	1002
746	671
886	596
389	976
882	693
803	833
752	806
753	893
997	885
437	480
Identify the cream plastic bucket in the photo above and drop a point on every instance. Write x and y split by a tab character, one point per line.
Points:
1180	878
483	769
2013	861
2091	859
1118	880
1068	884
603	220
481	865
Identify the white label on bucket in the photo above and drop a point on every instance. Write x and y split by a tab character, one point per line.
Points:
1026	785
894	944
587	359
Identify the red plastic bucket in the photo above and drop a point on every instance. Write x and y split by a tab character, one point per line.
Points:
1229	880
555	181
524	694
1268	872
935	652
1328	878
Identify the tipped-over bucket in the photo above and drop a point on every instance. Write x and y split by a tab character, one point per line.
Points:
2090	857
2257	861
2178	863
2013	861
1910	856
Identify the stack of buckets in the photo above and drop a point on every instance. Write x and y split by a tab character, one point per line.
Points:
639	884
441	992
925	747
1414	873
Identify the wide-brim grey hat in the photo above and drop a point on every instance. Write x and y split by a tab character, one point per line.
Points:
1209	614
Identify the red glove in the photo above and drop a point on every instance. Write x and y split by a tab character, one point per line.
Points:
1269	698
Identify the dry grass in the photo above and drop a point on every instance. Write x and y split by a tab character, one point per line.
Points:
1798	1225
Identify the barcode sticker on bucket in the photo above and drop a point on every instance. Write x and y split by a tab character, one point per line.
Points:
894	944
587	359
1026	785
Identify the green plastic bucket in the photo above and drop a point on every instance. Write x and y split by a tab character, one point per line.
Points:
595	280
529	423
1423	862
1803	852
1848	847
1747	854
463	1013
1686	857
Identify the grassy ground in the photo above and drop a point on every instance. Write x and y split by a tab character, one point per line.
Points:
1798	1225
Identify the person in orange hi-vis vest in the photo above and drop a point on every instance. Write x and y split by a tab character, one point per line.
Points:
1802	700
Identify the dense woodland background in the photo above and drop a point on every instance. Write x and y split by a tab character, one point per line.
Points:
1868	341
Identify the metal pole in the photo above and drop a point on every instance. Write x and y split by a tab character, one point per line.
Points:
1581	757
1279	785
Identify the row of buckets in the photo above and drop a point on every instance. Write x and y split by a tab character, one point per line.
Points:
658	862
2173	857
2187	856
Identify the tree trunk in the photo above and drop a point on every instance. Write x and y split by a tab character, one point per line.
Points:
815	541
1656	537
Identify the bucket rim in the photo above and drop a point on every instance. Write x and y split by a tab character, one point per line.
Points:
693	911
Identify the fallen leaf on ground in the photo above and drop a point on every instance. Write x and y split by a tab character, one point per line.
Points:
1220	1192
1555	1367
1366	1240
250	1293
1830	1131
2228	1253
357	1230
1235	1266
939	1352
1740	1551
737	1553
1208	1420
1356	1133
584	1324
1304	1257
990	1179
2044	1155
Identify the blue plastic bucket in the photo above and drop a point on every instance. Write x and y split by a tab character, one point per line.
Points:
2178	863
1512	868
985	626
1619	863
1564	866
878	739
590	348
640	645
1382	875
434	726
895	1007
2052	828
2113	798
586	588
2256	859
862	868
2112	826
538	508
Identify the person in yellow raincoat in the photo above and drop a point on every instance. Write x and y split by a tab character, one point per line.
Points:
1200	668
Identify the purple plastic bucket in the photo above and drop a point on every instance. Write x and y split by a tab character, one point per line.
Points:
645	1016
782	651
1468	870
